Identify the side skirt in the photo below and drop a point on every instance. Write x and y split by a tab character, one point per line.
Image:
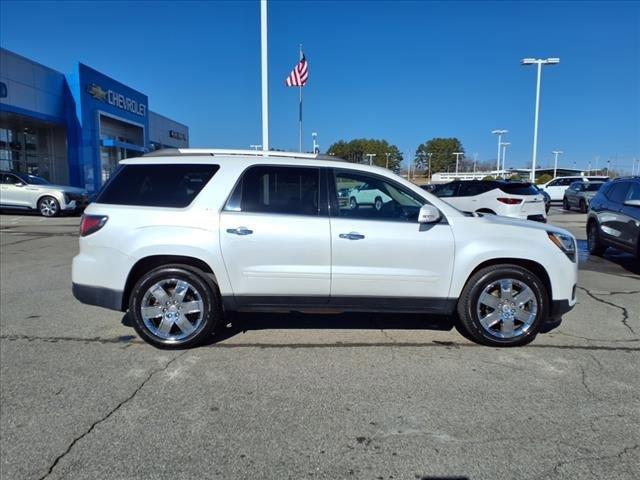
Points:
439	306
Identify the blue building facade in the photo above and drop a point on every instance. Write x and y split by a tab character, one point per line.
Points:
75	128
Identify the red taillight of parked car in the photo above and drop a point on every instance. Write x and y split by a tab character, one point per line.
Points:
91	224
510	201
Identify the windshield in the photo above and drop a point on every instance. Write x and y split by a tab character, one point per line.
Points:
519	189
34	180
591	187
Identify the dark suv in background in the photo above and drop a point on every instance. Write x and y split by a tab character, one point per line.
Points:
614	217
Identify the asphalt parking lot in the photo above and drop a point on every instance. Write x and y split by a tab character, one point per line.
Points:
310	396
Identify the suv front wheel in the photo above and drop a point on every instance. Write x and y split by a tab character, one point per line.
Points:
174	306
503	306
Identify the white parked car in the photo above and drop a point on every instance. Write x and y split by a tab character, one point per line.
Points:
556	187
509	199
181	237
367	195
30	192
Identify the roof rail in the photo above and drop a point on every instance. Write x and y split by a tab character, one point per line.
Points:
169	152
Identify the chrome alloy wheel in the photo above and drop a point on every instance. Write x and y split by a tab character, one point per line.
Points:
507	308
172	310
48	207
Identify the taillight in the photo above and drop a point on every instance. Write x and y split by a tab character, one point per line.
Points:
91	224
510	201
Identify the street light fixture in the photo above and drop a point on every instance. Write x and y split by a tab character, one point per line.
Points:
539	62
457	154
255	147
555	163
504	158
499	133
370	155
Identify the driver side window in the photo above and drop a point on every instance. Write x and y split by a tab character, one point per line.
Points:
373	198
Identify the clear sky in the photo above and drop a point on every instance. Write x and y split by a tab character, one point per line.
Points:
402	71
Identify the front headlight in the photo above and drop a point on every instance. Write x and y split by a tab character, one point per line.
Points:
566	243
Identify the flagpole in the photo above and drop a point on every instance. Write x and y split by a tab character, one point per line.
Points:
300	113
265	76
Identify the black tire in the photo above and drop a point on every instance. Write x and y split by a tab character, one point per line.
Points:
467	304
48	206
565	204
353	203
377	204
583	206
594	244
208	294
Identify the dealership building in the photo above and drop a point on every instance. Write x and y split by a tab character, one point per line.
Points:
74	128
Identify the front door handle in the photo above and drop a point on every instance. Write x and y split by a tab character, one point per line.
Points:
351	236
240	231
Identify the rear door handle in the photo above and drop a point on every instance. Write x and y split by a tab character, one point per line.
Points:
351	236
240	231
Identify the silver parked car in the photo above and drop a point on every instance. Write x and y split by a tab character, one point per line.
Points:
579	194
30	192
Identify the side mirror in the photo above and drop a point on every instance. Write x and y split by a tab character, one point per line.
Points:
429	214
632	203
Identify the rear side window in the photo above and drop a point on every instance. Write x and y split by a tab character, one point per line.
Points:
277	190
174	185
618	193
446	190
519	189
634	191
472	188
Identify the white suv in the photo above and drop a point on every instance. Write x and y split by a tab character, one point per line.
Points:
180	237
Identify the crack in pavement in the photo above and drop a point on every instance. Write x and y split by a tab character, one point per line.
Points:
625	312
562	463
583	378
431	344
110	413
630	340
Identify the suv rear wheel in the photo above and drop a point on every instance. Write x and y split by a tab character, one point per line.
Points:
174	306
503	306
583	206
565	204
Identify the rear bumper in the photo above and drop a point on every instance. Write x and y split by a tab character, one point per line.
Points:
98	296
559	308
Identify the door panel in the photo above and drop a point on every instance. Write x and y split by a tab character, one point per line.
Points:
387	253
393	259
283	254
274	233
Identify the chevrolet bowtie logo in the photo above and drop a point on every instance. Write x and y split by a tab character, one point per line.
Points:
96	92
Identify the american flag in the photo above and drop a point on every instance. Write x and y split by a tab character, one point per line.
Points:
299	75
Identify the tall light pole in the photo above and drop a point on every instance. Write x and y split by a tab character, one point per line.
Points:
316	147
475	160
429	154
555	162
387	154
539	62
457	154
265	75
504	158
499	133
370	155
